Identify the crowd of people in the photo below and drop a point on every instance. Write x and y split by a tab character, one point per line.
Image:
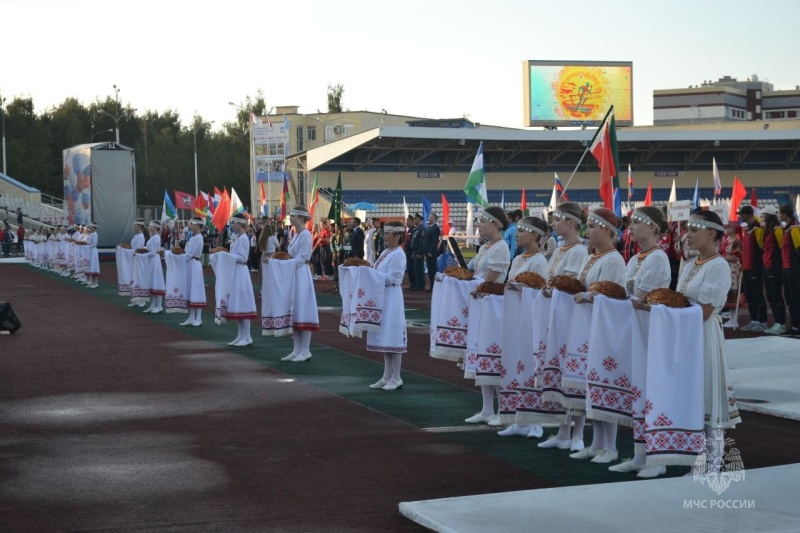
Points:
542	355
546	356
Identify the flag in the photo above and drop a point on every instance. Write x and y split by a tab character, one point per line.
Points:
184	200
604	149
405	208
715	172
630	184
475	188
201	206
253	119
426	210
314	197
617	202
446	216
560	188
263	200
287	129
754	198
236	204
673	195
284	197
797	206
168	211
554	199
503	201
269	124
524	205
222	214
739	194
696	197
217	197
648	197
335	212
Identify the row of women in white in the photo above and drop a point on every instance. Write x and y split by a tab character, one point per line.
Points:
66	254
551	357
289	304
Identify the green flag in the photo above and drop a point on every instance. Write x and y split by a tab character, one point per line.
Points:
335	213
475	188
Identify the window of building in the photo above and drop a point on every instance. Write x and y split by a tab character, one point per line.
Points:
774	114
299	138
791	114
311	133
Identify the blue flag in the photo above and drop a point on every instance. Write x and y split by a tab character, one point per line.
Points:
696	197
503	201
426	211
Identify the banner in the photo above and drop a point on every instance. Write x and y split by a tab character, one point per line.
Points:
680	210
270	142
78	184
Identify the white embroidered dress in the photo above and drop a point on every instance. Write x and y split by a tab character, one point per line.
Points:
708	284
304	311
392	336
195	283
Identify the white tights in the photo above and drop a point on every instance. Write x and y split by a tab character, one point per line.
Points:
391	366
302	342
604	436
577	433
488	393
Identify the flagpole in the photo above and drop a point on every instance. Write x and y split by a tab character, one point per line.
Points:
574	171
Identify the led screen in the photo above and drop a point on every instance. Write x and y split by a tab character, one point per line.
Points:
574	93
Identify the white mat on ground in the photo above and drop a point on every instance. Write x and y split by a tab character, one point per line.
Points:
765	501
766	369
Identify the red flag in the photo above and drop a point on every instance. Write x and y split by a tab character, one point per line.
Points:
603	148
648	197
263	202
284	193
446	216
223	212
524	205
753	198
183	200
200	205
739	194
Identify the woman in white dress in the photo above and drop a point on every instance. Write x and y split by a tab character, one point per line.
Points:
392	340
646	271
93	272
530	232
197	289
705	281
241	300
605	264
305	318
157	286
491	264
567	260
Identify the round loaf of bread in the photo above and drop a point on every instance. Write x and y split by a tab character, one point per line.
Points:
566	284
666	297
609	289
531	279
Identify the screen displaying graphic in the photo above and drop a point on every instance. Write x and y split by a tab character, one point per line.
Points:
576	93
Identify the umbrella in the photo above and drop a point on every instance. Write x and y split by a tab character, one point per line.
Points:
363	206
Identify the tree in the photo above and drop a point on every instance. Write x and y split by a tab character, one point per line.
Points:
335	93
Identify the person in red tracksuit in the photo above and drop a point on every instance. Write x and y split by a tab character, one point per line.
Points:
773	267
790	254
753	267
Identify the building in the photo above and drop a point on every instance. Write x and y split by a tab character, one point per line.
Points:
726	100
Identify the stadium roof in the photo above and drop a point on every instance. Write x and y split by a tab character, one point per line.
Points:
406	149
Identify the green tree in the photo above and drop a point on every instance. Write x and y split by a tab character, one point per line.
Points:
335	93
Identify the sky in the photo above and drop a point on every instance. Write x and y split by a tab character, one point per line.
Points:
433	58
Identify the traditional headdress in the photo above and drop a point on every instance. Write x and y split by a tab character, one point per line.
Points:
597	219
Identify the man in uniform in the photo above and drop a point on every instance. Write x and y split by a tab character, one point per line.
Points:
417	250
430	247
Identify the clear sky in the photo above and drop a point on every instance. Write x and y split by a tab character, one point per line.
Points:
432	58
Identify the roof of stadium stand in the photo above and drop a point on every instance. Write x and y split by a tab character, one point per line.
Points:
409	149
